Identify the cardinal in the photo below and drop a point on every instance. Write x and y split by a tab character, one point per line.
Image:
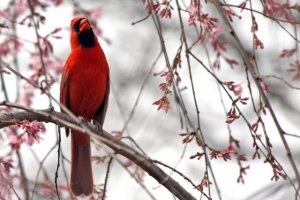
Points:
84	90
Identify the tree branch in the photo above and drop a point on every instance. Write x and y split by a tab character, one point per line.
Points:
118	146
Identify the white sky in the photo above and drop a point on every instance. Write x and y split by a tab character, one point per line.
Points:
157	132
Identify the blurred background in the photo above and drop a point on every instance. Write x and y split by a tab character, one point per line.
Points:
132	51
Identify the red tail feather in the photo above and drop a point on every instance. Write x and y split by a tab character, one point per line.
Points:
81	167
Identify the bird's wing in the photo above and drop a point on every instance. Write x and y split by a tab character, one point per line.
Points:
64	91
101	112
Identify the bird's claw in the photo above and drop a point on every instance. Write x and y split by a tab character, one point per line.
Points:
51	108
83	121
97	125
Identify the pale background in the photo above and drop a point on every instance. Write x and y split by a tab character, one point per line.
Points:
130	55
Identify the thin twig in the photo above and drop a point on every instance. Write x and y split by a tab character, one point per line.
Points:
199	132
241	114
39	170
22	171
109	164
247	61
140	20
140	92
136	179
35	26
288	84
65	172
293	135
179	173
58	162
15	55
12	188
261	13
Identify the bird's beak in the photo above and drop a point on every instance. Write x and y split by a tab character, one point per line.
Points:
84	25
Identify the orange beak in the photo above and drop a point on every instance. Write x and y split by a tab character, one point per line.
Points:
84	25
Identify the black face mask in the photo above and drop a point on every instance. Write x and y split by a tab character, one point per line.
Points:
86	37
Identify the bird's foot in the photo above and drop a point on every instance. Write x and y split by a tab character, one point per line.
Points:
51	108
98	126
83	121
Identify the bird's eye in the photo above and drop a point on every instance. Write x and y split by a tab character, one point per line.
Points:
75	27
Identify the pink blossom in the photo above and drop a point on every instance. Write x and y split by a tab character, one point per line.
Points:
225	154
98	159
54	64
165	88
5	13
198	155
57	66
6	165
215	33
287	52
193	9
32	129
204	183
257	43
207	21
166	9
264	86
243	5
188	137
194	12
168	77
256	154
151	6
9	46
238	89
15	140
5	109
47	47
231	62
216	63
35	62
230	13
4	50
232	115
254	27
27	94
21	7
47	189
274	8
163	104
5	179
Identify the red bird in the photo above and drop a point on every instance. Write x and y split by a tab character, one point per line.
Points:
84	90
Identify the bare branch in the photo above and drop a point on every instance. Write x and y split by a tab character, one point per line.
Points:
118	146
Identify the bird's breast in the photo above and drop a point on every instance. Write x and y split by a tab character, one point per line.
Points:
87	86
